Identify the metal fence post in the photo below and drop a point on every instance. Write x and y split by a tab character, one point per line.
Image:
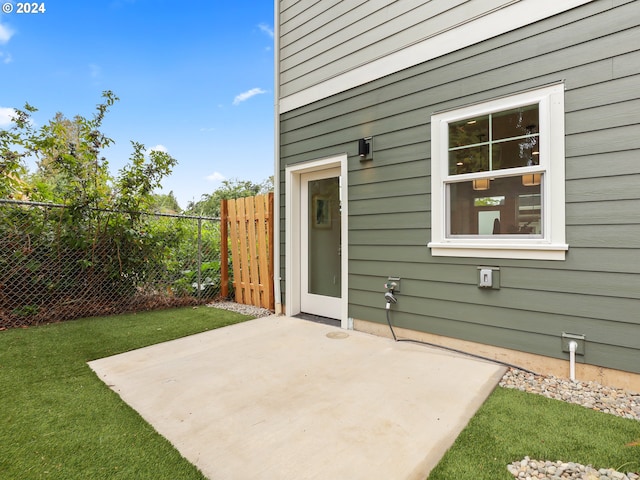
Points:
199	258
224	250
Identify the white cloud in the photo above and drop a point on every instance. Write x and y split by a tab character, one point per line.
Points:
215	177
266	29
247	95
160	148
5	116
5	34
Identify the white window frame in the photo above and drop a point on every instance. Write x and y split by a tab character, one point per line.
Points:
551	245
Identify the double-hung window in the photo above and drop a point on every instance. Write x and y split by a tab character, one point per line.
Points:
497	178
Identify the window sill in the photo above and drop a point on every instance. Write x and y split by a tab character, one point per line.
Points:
530	251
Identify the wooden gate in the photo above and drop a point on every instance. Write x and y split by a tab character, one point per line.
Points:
249	223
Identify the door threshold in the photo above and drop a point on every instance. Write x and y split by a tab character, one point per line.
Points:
334	322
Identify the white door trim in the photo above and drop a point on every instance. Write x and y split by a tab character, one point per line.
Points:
293	229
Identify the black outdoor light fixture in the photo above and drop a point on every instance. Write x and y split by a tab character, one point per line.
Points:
365	148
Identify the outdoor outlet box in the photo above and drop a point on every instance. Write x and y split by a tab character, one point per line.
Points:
489	277
390	283
486	278
578	338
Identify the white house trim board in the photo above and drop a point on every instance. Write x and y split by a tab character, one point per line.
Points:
292	228
475	30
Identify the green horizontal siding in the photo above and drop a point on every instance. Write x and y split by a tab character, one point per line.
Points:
596	290
612	212
597	284
578	259
590	166
417	202
603	141
607	236
536	56
319	40
548	344
619	187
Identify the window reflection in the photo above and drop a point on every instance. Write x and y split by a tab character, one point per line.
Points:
469	132
468	160
515	123
500	140
508	207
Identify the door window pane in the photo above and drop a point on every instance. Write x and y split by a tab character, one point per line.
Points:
324	237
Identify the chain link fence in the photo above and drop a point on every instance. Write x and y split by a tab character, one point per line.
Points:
58	263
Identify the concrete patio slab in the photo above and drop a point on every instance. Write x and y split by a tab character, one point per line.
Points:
284	398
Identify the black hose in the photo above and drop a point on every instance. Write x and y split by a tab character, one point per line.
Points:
395	339
435	345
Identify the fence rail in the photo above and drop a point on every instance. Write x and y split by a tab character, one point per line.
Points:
58	263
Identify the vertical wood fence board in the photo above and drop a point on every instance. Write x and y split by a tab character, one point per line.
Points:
235	254
263	248
271	248
250	212
267	266
242	241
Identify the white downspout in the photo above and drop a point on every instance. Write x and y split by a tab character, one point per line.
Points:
276	174
573	346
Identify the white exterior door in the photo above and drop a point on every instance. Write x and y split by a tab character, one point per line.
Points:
321	243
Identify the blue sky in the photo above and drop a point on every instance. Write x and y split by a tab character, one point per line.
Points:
193	77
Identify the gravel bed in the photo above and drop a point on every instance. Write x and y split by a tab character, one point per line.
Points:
251	310
588	394
591	395
528	469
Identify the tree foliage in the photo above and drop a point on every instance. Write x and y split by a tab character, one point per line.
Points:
164	203
111	250
136	181
14	148
101	252
209	204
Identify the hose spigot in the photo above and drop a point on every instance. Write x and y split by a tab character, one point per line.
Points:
390	298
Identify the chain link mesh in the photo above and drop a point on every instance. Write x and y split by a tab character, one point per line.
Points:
58	263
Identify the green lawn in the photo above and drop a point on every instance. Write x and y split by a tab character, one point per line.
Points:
513	424
59	421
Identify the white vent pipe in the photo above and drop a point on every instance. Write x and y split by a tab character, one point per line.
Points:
573	346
